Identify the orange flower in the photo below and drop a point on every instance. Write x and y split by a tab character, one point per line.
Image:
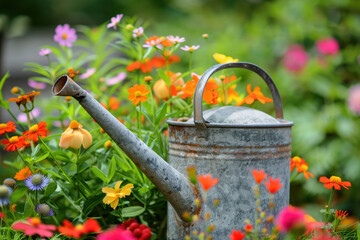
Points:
255	95
72	74
259	175
248	228
152	41
341	214
35	131
273	185
303	168
75	136
210	94
23	174
7	127
166	42
207	182
334	182
295	162
161	90
13	207
68	229
145	66
138	93
23	99
13	143
229	92
159	61
237	235
114	104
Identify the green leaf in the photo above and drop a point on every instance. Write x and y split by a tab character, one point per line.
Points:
4	104
42	157
52	173
50	188
29	209
132	211
144	189
18	193
358	231
91	203
112	169
99	173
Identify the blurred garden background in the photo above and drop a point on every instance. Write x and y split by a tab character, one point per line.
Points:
319	89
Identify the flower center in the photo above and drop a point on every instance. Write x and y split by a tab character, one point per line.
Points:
304	167
37	180
191	49
178	88
35	221
138	94
4	191
64	36
9	182
74	124
79	227
2	126
34	128
335	179
44	209
296	159
14	139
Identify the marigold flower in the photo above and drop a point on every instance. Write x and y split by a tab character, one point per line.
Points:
221	58
237	235
190	49
259	176
115	21
113	194
36	182
114	104
327	46
7	127
68	229
295	58
207	182
254	95
65	35
14	143
341	214
23	174
138	93
72	74
5	193
75	136
33	226
161	90
334	182
23	99
273	185
35	131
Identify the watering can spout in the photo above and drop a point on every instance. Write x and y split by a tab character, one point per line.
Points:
175	187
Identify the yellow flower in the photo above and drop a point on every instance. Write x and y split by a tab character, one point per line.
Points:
74	136
113	194
221	58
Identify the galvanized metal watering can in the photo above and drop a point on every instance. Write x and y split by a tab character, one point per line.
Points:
227	142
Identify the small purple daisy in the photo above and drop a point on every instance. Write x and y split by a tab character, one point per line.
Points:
5	193
44	210
36	182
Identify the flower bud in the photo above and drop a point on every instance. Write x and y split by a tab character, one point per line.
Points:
187	216
210	228
205	36
102	130
108	144
207	216
216	202
195	233
187	237
262	214
195	218
191	171
270	219
68	99
130	27
197	202
15	90
148	79
9	182
271	205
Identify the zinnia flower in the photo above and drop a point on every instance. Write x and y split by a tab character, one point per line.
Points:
190	49
113	194
35	131
68	229
138	93
14	143
152	41
44	210
145	66
295	58
23	174
88	73
254	95
36	182
33	226
138	32
65	35
221	58
115	21
259	176
5	193
237	235
327	46
176	39
45	51
118	78
161	90
7	127
75	136
116	233
291	218
273	185
207	182
334	182
25	98
36	85
353	101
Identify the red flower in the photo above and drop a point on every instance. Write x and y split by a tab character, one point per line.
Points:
35	131
8	127
341	214
34	226
273	185
68	229
334	182
259	175
13	143
248	228
237	235
207	182
2	215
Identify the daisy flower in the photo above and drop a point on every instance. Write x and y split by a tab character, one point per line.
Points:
36	182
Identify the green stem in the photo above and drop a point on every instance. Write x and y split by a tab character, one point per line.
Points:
17	122
26	163
139	120
328	208
3	210
293	177
190	62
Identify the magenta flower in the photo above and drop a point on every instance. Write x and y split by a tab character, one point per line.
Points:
327	46
295	58
88	73
138	32
291	218
118	78
65	35
36	85
176	39
33	114
190	49
115	21
45	51
353	101
117	233
33	226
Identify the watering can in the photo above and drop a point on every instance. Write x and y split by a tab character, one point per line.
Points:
227	142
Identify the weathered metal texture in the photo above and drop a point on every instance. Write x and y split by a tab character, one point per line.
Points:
175	187
230	154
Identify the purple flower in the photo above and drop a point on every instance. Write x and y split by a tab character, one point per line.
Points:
66	122
36	182
5	193
190	49
295	58
65	35
45	52
354	99
33	114
327	46
115	21
138	32
44	210
176	39
88	73
114	80
36	85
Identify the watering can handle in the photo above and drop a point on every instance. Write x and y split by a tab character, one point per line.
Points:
198	95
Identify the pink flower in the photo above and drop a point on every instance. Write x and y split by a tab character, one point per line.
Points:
65	122
65	35
45	52
33	114
118	78
2	215
88	73
295	58
190	49
115	21
115	234
176	39
327	46
34	226
291	218
36	85
138	32
354	99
